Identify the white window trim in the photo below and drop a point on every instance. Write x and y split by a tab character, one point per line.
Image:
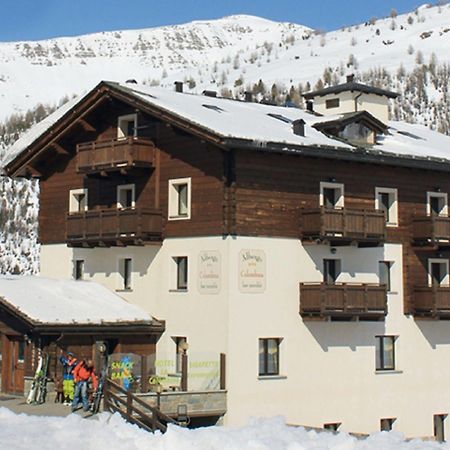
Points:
73	204
446	281
281	362
440	195
330	185
173	199
120	279
127	118
394	215
173	273
123	187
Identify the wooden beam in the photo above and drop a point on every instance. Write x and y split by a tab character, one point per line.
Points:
59	149
33	172
86	126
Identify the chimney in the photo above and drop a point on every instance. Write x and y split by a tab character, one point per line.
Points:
350	78
178	86
310	106
248	96
207	93
298	127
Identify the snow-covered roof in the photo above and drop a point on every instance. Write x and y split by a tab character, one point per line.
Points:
258	125
350	86
67	302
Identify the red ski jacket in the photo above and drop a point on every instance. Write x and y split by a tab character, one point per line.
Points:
82	373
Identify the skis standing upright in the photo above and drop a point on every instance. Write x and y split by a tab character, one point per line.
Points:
31	398
98	394
42	383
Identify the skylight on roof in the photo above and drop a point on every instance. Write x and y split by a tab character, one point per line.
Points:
213	107
280	117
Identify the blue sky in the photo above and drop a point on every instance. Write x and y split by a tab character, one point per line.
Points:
40	19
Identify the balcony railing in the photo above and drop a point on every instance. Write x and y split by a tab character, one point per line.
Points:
343	300
109	227
432	301
431	230
114	154
343	224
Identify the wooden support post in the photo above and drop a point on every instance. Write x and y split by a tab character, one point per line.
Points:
222	371
184	372
129	407
106	388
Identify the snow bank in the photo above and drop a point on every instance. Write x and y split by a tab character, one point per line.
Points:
23	432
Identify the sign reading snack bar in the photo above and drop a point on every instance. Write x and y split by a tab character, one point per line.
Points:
209	272
252	271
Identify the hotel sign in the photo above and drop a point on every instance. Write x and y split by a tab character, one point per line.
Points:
252	271
209	272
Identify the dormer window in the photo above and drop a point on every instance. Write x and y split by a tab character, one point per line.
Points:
125	196
127	126
332	103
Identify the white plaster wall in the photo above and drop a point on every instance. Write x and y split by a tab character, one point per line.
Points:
376	105
329	367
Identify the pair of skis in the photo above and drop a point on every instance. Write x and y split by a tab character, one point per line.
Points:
98	394
38	390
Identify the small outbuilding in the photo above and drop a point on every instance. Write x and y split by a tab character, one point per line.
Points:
54	316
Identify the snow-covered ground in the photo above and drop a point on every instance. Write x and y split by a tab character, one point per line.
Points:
24	432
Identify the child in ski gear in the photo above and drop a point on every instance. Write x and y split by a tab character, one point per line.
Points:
59	389
81	374
69	362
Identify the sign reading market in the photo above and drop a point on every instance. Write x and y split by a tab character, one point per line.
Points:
252	271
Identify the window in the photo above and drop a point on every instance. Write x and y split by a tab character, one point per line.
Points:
438	272
269	356
125	196
332	103
127	126
331	195
384	272
438	427
180	273
180	199
78	200
387	424
332	426
331	270
385	352
180	343
437	204
125	270
21	351
386	200
78	269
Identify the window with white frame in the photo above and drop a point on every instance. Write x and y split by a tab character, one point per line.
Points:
179	273
78	200
384	273
127	126
78	269
331	195
438	272
385	352
180	199
125	274
269	356
126	196
437	204
386	200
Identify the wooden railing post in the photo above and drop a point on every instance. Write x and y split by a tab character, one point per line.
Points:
129	406
184	372
106	388
345	297
222	371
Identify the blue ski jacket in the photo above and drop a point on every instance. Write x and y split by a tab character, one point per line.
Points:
68	364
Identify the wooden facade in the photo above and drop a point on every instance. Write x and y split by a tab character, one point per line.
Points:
235	190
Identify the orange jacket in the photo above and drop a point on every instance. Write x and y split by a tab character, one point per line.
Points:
82	373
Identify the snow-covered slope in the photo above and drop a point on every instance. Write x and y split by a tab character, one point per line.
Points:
215	54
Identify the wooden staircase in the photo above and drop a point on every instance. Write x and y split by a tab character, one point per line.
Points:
135	410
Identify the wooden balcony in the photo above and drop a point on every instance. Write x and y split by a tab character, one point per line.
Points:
431	230
113	227
113	155
432	301
343	300
343	225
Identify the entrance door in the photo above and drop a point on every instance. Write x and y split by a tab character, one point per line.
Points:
13	365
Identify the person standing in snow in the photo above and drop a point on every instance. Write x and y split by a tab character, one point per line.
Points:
81	374
69	362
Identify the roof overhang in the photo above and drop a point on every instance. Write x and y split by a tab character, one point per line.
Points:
363	117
